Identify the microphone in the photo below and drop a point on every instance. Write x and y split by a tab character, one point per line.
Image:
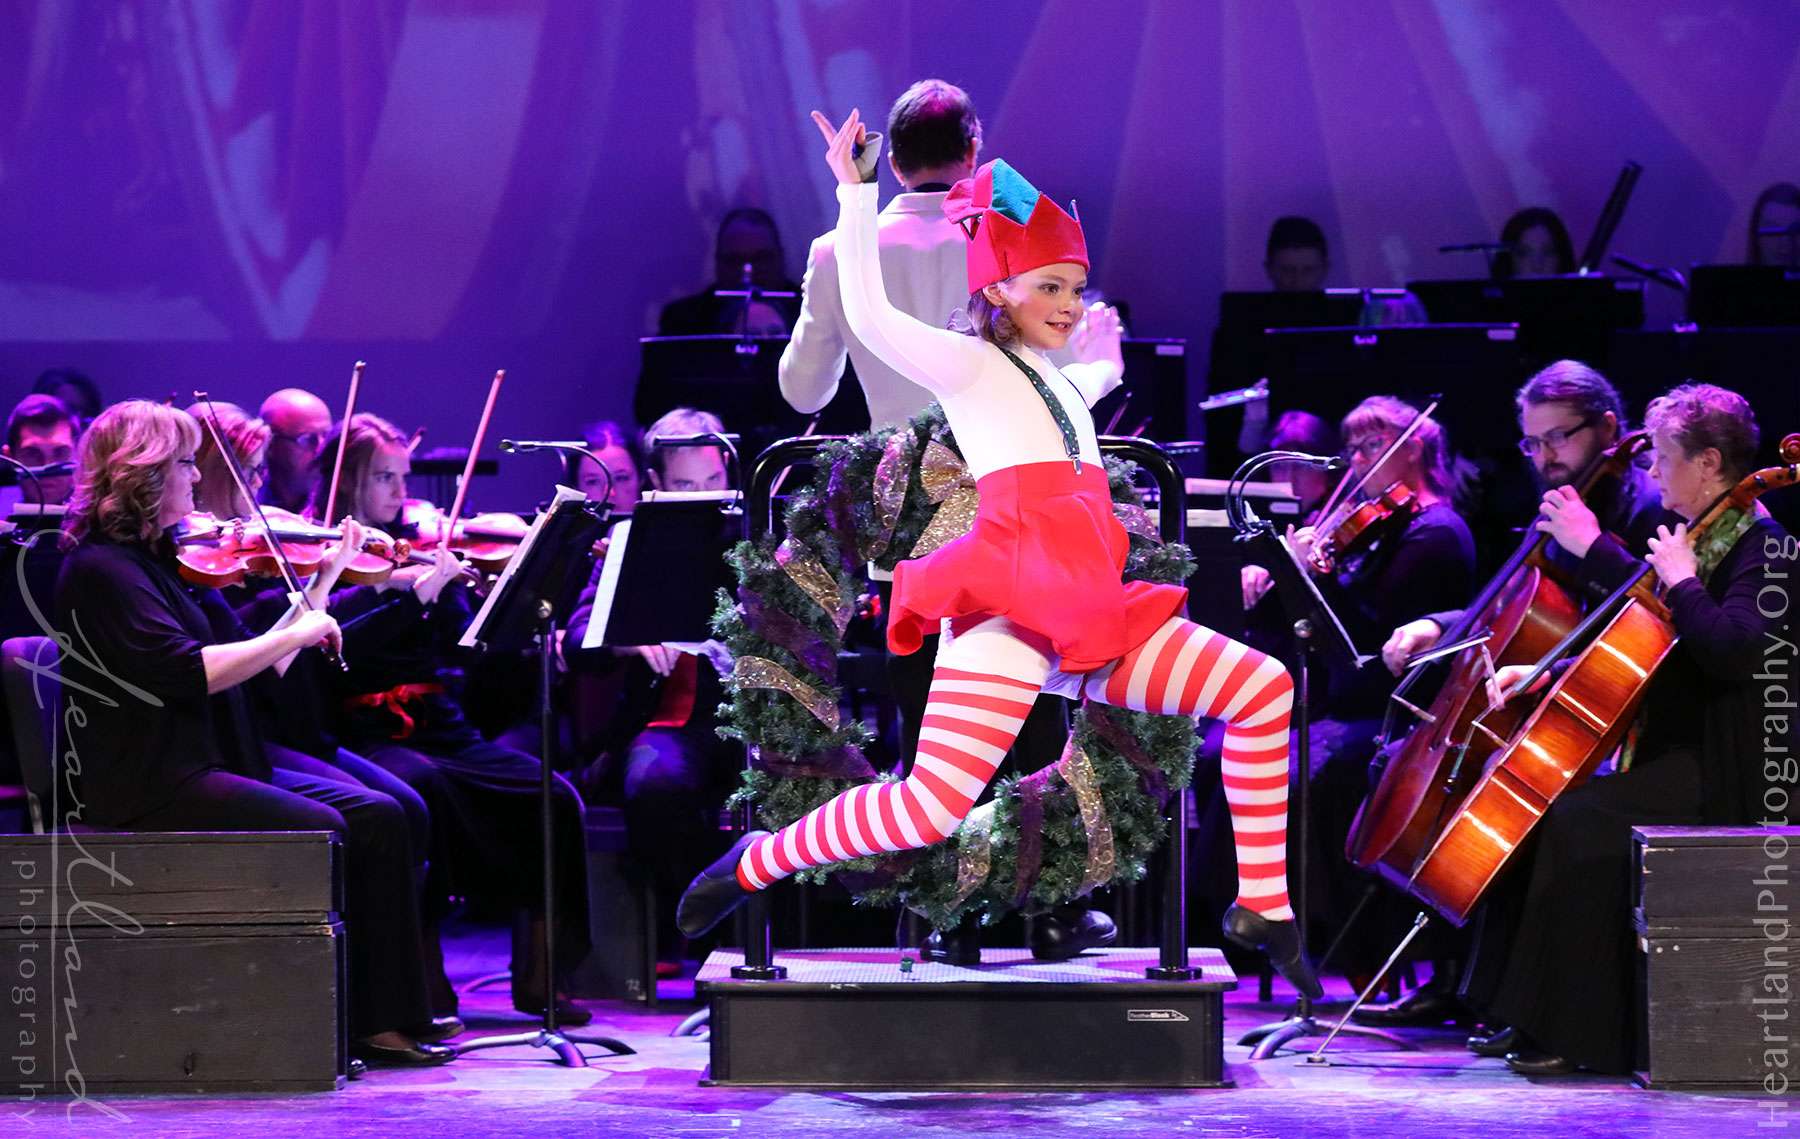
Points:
1475	247
1330	464
526	446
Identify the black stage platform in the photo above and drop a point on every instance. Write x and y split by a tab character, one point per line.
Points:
852	1018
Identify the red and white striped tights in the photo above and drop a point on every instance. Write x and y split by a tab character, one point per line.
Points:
985	683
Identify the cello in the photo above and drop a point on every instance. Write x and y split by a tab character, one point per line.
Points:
1579	721
1523	612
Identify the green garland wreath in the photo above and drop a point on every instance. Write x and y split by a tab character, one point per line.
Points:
784	629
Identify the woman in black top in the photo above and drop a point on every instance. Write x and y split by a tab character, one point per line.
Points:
1553	956
1419	565
165	740
399	708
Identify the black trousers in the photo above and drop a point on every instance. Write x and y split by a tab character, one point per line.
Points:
486	832
348	767
1554	946
381	913
676	779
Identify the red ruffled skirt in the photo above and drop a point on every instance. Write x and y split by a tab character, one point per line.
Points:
1046	552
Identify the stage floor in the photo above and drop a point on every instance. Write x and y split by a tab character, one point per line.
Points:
1366	1091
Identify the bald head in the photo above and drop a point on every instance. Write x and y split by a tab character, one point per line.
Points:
292	411
299	421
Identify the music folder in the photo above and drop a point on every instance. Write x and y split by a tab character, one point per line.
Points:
664	567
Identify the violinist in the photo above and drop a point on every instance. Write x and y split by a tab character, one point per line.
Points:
298	421
1569	414
399	706
173	745
1420	560
289	713
1554	943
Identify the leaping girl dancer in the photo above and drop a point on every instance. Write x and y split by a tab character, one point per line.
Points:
1033	593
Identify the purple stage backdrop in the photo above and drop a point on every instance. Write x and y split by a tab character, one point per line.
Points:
241	196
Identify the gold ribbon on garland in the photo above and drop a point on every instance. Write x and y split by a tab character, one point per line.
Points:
814	580
947	482
893	471
974	852
761	672
1077	770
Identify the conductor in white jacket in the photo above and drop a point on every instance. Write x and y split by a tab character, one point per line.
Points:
933	140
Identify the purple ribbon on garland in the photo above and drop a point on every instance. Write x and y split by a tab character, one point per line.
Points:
1156	784
843	762
779	627
1031	832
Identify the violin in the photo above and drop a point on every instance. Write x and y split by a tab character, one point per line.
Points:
1345	523
486	541
216	554
1351	526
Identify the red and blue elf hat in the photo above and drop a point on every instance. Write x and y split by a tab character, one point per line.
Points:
1012	228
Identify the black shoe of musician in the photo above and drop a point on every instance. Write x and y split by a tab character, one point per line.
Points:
959	946
1068	931
1531	1062
1424	1007
1498	1043
568	1013
418	1056
715	892
1279	941
440	1029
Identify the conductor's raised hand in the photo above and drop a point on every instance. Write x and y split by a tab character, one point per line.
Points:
840	145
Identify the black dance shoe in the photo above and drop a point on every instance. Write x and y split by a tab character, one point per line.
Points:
1497	1043
714	892
418	1056
1531	1062
1424	1007
960	946
1068	931
1279	941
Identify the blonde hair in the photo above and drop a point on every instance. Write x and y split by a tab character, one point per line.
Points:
247	435
1389	413
367	434
1698	416
123	465
989	321
680	421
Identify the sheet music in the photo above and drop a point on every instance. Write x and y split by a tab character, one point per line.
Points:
608	586
563	494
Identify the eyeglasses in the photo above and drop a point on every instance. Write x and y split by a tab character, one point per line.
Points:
1555	437
309	441
1367	448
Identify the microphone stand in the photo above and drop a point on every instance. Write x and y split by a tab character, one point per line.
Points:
1314	622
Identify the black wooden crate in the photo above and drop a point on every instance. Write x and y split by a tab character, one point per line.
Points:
1707	967
850	1018
171	962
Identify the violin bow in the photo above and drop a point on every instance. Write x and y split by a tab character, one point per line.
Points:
337	464
462	487
236	470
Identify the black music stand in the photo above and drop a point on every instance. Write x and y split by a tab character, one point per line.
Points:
539	583
1317	629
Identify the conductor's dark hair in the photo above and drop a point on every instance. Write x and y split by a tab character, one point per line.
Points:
931	124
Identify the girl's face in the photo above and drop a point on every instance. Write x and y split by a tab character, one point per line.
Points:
1044	304
383	490
1688	485
625	487
1535	254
